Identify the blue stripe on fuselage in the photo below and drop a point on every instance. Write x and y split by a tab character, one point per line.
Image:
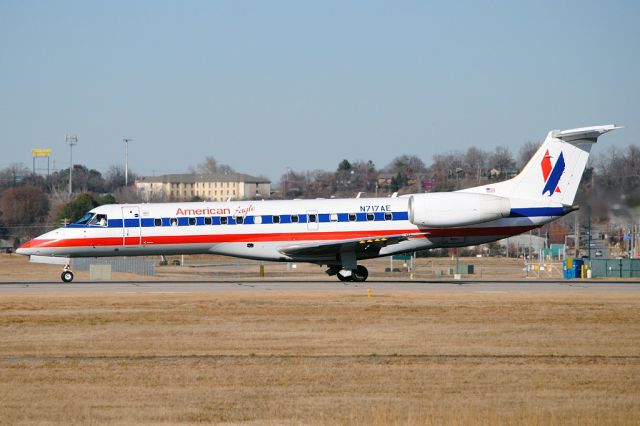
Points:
248	220
537	211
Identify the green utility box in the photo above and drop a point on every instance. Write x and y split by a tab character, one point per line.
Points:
463	268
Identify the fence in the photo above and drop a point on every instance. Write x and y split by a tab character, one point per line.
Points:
118	264
401	268
615	268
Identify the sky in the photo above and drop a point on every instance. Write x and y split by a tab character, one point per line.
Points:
268	85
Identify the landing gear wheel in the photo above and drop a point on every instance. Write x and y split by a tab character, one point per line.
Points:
360	274
343	278
67	276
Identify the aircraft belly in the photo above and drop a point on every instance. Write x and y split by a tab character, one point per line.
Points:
138	250
257	251
410	245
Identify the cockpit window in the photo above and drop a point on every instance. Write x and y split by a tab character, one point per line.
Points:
84	219
99	220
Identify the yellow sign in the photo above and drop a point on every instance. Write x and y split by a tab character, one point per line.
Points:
41	152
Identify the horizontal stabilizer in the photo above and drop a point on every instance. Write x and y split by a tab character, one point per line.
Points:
583	133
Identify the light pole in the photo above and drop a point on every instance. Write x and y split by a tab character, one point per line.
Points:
286	178
589	241
126	161
71	140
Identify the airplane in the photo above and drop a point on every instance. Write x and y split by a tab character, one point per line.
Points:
336	233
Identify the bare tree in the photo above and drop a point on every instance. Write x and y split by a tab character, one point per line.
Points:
321	184
406	164
13	175
293	184
407	171
526	153
364	176
447	171
475	163
127	195
211	166
115	178
502	160
24	207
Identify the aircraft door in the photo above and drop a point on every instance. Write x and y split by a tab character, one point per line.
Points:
131	227
313	220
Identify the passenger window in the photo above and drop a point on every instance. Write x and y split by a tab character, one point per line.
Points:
371	216
223	220
192	221
240	220
294	218
333	217
388	216
257	220
207	221
157	222
352	217
173	221
313	218
276	219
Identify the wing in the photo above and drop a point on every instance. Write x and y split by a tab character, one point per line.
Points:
368	245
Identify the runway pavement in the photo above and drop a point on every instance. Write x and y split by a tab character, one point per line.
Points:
330	286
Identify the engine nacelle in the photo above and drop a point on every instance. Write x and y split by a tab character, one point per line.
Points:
448	209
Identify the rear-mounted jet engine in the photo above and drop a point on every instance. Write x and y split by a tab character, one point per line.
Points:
443	210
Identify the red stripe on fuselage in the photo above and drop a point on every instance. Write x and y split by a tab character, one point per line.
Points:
275	237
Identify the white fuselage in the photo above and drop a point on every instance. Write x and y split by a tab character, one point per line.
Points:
266	230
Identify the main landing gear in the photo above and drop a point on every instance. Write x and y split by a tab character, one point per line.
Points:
359	274
67	275
347	268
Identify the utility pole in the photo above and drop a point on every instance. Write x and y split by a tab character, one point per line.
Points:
589	240
126	161
576	230
71	140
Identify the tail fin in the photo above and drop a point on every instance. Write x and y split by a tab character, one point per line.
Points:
555	170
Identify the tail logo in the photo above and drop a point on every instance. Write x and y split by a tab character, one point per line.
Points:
552	174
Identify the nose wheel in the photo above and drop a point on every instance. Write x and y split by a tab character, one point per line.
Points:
67	275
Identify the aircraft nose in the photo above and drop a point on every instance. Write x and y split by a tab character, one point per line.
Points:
43	245
26	248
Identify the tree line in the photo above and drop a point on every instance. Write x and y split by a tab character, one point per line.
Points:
407	174
31	204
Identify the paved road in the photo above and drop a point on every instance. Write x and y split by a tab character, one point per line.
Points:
328	286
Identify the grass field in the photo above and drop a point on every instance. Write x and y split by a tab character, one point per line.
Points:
395	358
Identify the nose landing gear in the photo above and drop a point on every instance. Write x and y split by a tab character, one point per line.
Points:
67	275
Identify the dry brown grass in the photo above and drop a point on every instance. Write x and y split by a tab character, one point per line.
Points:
397	358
